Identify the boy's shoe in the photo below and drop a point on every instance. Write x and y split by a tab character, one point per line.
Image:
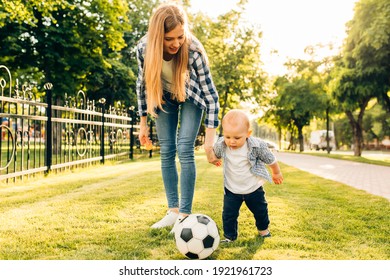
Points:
227	240
268	234
169	219
180	218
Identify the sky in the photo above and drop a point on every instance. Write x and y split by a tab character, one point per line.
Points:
289	25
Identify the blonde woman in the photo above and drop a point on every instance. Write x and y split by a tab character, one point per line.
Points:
174	85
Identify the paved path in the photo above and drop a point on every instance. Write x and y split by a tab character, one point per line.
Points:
374	179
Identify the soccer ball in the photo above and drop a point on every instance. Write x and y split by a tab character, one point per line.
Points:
197	236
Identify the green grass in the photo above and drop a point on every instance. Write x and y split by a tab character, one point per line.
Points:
105	212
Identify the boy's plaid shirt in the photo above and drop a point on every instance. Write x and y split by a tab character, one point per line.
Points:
200	89
258	155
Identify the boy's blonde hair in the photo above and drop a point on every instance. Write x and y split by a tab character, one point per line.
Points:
165	19
236	117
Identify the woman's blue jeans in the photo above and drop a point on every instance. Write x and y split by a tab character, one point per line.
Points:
177	127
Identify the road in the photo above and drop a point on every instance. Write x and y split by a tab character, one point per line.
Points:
374	179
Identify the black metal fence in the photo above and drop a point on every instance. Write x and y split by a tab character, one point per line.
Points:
37	136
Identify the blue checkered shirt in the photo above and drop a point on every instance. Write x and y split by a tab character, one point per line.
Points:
200	89
259	155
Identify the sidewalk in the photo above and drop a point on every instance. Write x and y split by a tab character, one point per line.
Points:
374	179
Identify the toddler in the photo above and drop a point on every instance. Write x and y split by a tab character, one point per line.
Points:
245	159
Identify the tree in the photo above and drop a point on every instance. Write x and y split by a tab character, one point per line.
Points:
294	105
72	44
299	96
362	72
234	55
376	124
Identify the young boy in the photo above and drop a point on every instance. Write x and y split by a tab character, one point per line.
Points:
245	173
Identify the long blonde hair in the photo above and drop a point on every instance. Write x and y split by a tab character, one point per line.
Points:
165	19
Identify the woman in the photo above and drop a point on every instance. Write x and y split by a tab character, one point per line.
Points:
174	85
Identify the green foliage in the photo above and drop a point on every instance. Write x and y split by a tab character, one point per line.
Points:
72	44
368	48
298	97
234	53
343	132
90	45
362	71
376	124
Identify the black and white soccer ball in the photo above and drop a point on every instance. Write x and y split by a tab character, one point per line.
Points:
197	236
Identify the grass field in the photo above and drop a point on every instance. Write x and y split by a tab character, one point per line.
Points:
104	213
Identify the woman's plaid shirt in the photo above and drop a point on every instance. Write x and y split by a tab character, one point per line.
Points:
200	88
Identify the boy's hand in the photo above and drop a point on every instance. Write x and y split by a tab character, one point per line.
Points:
277	178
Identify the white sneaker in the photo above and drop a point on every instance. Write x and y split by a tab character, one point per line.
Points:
180	218
169	219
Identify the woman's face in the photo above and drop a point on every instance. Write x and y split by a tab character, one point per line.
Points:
173	40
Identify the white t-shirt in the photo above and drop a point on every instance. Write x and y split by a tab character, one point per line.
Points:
238	177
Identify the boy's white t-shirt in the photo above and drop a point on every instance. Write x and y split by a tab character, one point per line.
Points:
238	177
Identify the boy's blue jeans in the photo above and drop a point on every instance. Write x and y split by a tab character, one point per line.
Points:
177	126
232	202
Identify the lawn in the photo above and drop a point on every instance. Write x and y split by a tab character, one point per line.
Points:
104	213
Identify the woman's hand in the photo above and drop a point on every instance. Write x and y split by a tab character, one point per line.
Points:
211	157
143	135
208	147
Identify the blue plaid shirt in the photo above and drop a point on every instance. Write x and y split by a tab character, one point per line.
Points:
200	89
258	155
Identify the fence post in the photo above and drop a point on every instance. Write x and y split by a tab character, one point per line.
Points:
102	102
49	130
131	154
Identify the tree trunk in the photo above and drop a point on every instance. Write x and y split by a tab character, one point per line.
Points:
291	145
300	139
357	134
357	128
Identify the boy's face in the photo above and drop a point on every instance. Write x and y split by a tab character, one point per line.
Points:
235	135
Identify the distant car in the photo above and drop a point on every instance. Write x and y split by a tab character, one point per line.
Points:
318	140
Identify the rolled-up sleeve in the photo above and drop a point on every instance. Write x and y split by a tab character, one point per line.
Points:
209	92
265	154
218	147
